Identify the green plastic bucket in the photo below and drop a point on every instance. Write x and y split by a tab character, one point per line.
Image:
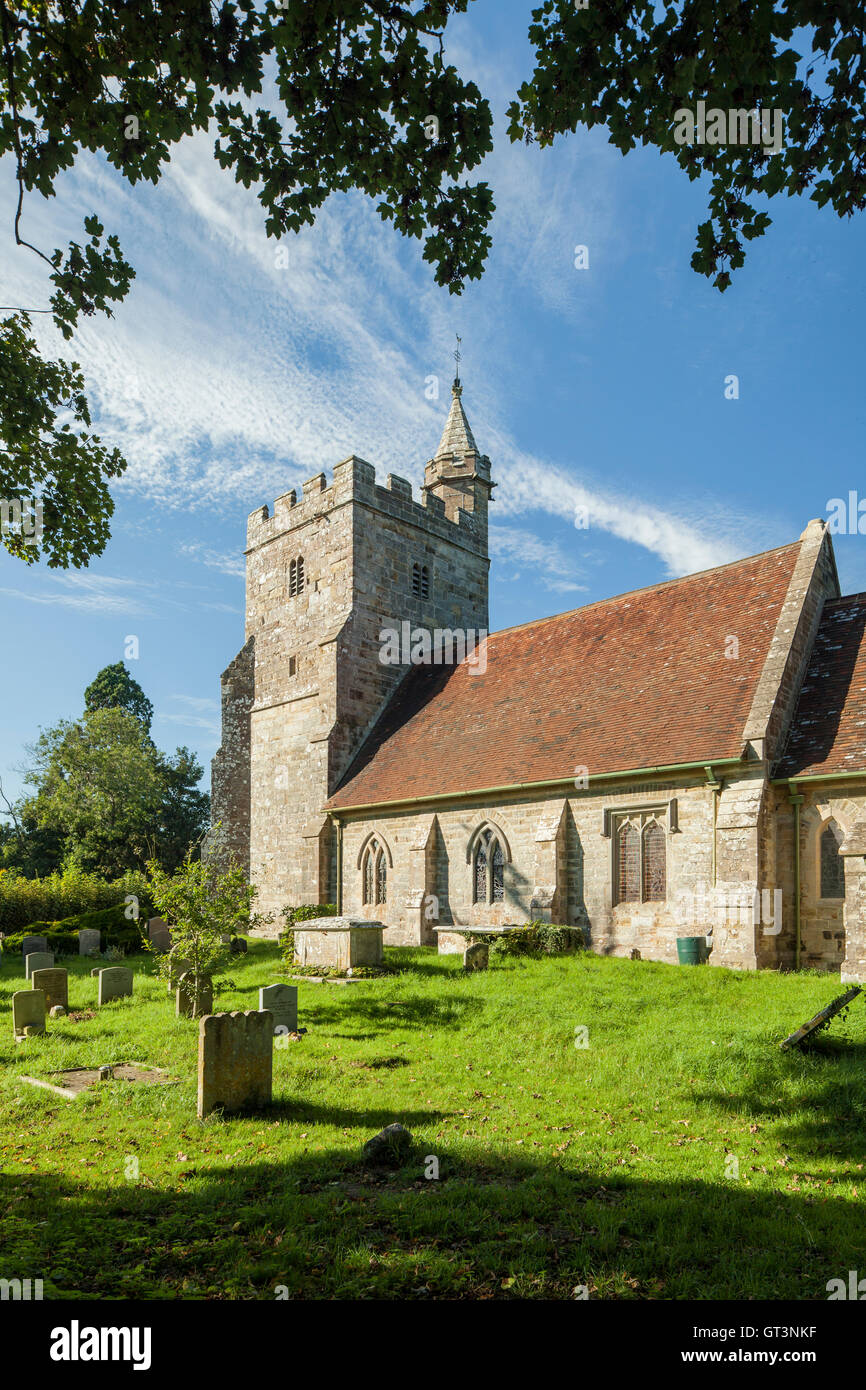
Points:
692	950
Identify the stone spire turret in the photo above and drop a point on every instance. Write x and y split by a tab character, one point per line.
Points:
458	472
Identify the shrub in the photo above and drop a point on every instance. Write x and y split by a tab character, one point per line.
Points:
305	913
26	901
537	939
117	931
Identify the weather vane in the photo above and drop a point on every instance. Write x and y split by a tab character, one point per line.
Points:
457	358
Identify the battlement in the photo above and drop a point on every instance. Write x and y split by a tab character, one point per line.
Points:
355	482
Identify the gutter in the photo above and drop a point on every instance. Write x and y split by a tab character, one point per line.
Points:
560	782
819	777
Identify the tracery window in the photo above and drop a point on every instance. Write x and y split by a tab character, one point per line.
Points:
374	872
832	862
640	866
488	870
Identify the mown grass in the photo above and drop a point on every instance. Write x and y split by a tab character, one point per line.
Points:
608	1166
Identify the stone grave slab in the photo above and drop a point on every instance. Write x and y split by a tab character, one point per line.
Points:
33	943
282	1001
158	934
89	941
37	960
74	1081
54	985
821	1019
476	956
28	1012
115	982
235	1062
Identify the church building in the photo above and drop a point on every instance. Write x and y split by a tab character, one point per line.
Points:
689	758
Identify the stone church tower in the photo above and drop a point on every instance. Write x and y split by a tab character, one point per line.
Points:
326	573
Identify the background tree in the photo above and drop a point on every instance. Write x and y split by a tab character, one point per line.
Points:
357	86
631	65
184	812
114	688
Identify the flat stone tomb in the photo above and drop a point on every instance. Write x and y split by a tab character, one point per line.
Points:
28	1011
74	1081
37	960
54	985
339	943
282	1001
235	1062
89	941
33	943
450	940
115	982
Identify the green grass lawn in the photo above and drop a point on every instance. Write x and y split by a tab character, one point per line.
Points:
608	1166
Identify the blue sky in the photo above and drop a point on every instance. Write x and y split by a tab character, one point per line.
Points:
227	380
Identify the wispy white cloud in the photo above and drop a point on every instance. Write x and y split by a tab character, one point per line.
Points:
91	593
548	560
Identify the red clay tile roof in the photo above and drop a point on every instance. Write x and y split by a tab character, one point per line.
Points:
829	729
636	681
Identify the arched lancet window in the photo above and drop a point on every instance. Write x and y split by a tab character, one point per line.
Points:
488	870
497	882
832	863
654	884
420	581
296	577
628	867
480	894
374	874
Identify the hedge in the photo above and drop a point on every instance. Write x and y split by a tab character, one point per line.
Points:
24	901
62	936
537	939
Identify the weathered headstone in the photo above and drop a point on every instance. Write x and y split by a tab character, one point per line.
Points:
33	943
282	1001
158	934
189	1004
235	1061
96	971
54	985
476	956
237	946
115	982
89	941
176	969
28	1012
37	960
57	1011
338	942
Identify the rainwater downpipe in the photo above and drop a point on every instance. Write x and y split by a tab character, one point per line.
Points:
796	802
339	894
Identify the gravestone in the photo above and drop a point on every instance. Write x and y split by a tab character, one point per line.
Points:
282	1001
476	956
176	969
28	1012
338	942
89	941
115	982
187	1005
235	1061
33	943
37	960
54	985
57	1012
158	934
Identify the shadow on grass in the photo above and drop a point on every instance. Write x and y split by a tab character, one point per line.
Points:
326	1226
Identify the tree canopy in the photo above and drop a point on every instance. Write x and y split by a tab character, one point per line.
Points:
364	99
114	688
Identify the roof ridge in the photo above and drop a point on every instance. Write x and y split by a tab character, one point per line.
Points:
649	588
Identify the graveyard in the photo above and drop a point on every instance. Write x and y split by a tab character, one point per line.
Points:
580	1127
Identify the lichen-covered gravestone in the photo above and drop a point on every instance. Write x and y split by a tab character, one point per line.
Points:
158	934
28	1013
176	969
476	956
188	1003
89	941
37	960
54	985
235	1061
115	982
282	1001
33	943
